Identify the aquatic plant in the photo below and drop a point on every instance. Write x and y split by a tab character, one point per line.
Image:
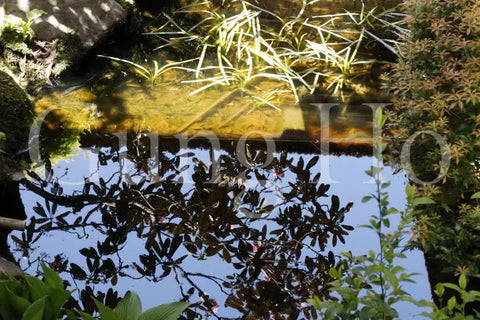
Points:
148	73
296	52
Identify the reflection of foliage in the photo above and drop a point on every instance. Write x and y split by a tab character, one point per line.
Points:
277	250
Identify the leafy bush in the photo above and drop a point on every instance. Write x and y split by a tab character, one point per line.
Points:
368	286
34	299
436	84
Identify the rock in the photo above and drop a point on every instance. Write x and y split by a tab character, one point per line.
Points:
91	20
11	269
17	115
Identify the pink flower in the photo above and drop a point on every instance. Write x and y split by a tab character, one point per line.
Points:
255	246
212	306
277	175
161	220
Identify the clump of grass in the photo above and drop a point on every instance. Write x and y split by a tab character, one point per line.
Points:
241	44
148	73
253	43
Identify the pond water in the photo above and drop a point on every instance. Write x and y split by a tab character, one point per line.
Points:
236	200
121	254
256	229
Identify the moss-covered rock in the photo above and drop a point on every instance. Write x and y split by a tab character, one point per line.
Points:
15	122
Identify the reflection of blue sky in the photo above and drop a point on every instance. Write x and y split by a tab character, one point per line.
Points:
351	185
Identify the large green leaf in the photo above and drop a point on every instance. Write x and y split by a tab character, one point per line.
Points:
20	304
55	301
130	307
35	311
51	278
105	312
169	311
37	288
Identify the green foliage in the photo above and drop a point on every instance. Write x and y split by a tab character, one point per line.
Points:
241	44
368	286
147	73
32	298
455	308
23	28
436	86
26	25
130	308
35	299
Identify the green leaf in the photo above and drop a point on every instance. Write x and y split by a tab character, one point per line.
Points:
386	222
476	195
451	303
422	200
105	312
439	290
56	299
34	14
366	199
130	307
38	289
20	304
51	278
410	192
315	302
164	312
85	316
462	281
35	311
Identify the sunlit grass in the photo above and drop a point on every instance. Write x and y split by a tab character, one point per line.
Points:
240	44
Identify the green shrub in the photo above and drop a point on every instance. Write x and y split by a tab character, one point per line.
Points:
436	83
35	299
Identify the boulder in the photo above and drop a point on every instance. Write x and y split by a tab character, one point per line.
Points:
17	115
11	269
91	20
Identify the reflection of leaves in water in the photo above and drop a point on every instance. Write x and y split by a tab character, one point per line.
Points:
277	256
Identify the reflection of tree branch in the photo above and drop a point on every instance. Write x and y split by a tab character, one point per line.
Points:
66	201
205	296
216	280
